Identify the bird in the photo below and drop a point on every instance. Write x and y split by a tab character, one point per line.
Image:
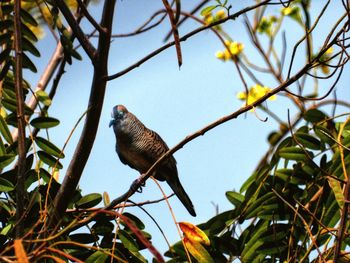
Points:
140	147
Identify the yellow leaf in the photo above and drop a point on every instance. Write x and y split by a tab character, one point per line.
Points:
20	253
198	251
193	233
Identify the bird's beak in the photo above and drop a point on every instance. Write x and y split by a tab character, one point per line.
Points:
111	123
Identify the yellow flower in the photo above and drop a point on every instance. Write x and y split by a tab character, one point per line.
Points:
220	14
255	92
330	51
236	48
286	11
232	49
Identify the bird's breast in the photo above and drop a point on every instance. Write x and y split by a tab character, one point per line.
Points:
133	156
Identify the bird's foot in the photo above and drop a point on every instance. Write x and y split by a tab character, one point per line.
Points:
137	185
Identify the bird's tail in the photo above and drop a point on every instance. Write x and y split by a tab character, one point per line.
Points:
181	194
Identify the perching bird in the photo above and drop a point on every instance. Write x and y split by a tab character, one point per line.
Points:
140	147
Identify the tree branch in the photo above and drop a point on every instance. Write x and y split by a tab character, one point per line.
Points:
95	104
20	189
185	37
83	40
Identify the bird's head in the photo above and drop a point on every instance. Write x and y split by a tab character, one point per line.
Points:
119	112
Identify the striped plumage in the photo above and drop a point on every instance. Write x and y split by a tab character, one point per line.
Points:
140	147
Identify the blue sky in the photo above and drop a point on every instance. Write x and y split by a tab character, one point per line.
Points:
175	103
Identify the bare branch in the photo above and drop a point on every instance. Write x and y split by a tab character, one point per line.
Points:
20	193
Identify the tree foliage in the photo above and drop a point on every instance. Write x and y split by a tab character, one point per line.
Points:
294	206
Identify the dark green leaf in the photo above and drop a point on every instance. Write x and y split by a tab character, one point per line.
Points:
28	18
293	153
44	122
287	175
314	116
308	141
5	185
28	33
11	105
83	238
102	227
5	38
27	63
137	222
5	131
49	147
28	46
5	55
89	200
49	160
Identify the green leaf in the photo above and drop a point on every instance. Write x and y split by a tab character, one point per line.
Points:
254	242
207	10
44	122
49	160
337	190
28	18
28	46
6	159
43	97
5	38
308	141
49	147
137	222
287	175
28	33
98	256
5	185
27	63
128	242
293	153
11	105
5	131
5	55
89	200
102	227
235	198
314	116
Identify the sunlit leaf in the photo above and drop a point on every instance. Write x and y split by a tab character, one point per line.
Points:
43	97
49	147
207	10
194	233
198	251
235	198
337	190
